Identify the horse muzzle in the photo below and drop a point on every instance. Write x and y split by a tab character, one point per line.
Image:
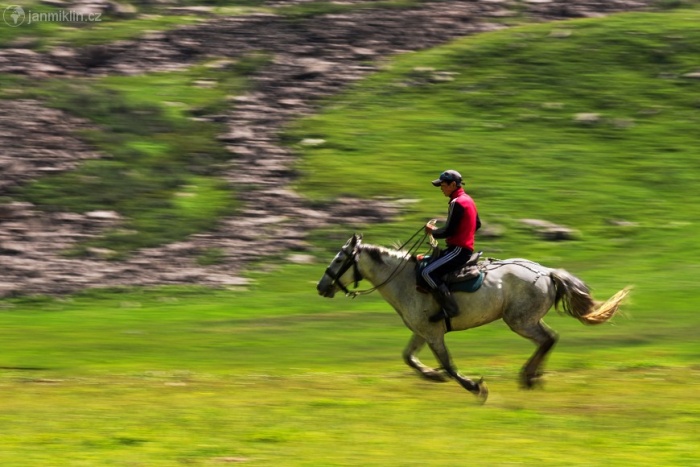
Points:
326	290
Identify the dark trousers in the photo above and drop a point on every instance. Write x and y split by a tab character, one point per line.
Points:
451	259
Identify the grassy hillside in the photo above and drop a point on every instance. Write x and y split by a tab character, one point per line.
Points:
276	375
580	123
161	164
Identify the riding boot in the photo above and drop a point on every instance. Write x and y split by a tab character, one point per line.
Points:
447	303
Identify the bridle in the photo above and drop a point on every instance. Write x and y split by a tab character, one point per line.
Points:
350	261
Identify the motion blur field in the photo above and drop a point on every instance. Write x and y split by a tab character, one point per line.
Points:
275	375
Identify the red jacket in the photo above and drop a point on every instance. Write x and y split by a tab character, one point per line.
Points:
462	221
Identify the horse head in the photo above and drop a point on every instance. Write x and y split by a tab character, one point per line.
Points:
342	270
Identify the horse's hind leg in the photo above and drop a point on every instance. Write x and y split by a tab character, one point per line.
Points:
545	339
409	356
437	345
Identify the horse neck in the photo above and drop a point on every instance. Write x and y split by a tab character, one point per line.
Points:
378	265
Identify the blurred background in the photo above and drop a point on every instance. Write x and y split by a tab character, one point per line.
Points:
175	176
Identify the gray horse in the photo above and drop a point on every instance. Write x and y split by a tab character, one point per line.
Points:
517	290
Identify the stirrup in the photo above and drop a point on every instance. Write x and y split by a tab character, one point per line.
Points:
442	316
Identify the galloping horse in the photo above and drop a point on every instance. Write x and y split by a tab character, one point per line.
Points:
517	290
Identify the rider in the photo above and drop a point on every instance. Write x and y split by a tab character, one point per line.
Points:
458	232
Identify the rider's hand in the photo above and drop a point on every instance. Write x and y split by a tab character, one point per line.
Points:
429	228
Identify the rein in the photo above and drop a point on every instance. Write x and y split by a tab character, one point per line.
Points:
351	261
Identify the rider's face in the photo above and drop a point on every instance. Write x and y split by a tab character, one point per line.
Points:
448	188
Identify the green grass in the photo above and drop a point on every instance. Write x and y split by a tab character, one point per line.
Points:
112	29
188	376
275	375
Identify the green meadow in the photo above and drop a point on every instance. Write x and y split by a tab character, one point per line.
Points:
591	124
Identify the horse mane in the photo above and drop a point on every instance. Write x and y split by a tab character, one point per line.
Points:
377	253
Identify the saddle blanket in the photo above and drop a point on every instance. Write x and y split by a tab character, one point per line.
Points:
471	285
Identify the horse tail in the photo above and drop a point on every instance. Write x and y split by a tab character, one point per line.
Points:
576	299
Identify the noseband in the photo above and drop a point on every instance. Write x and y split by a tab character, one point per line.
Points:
350	261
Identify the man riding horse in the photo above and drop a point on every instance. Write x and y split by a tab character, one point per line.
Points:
458	232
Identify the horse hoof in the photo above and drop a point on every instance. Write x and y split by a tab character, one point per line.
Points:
481	391
532	383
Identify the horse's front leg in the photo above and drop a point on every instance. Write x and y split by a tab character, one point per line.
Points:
409	356
437	345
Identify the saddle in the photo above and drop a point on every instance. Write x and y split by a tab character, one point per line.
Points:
467	279
469	271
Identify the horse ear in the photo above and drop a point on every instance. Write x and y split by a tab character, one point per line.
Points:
357	238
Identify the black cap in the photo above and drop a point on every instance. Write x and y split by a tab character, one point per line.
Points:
448	176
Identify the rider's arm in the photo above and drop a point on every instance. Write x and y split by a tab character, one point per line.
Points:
454	219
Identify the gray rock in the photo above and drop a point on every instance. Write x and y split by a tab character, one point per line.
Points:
550	231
